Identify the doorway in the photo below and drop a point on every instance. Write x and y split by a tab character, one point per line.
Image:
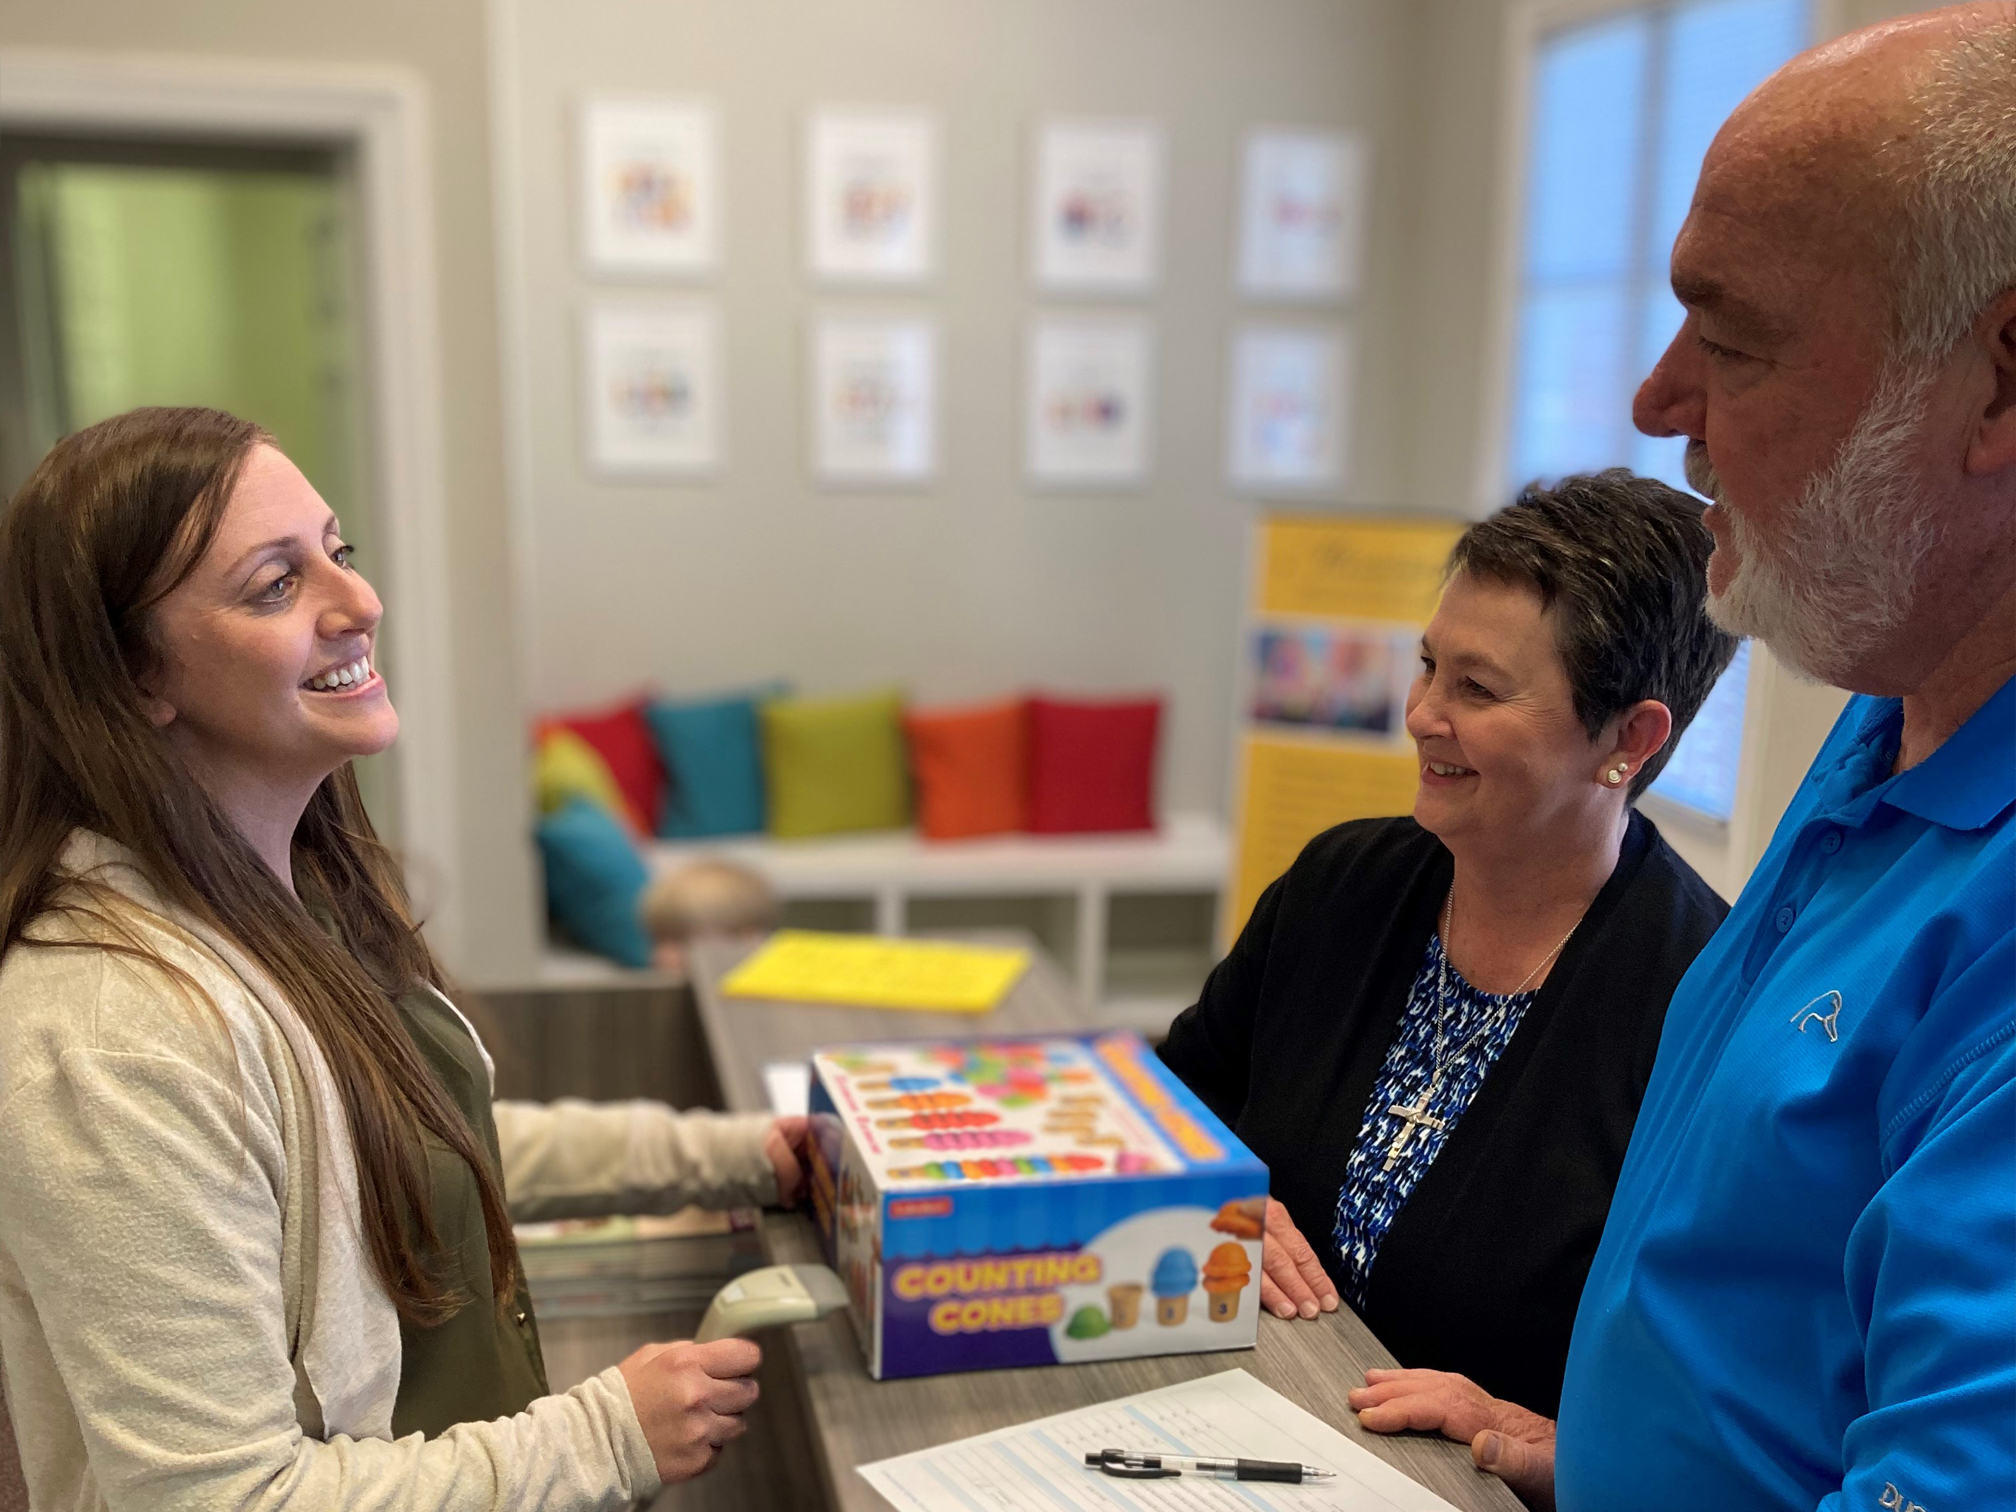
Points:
155	271
364	131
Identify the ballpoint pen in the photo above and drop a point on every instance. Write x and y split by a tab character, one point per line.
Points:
1132	1465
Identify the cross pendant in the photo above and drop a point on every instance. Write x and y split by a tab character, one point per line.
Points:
1413	1119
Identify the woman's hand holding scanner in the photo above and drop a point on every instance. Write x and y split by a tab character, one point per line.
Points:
1292	1279
690	1399
784	1144
1513	1444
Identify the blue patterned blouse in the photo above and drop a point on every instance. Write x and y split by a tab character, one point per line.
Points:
1373	1193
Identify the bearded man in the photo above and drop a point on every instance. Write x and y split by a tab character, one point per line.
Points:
1806	1290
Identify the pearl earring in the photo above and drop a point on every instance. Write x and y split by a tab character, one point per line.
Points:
1615	775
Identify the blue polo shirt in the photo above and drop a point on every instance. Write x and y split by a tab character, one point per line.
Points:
1806	1291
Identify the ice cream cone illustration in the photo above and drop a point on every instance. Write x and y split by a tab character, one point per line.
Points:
1125	1301
1174	1279
1087	1323
1227	1273
1242	1220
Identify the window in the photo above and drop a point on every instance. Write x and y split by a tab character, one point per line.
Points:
1623	109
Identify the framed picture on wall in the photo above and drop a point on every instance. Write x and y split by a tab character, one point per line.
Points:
874	400
1091	383
1097	217
1288	399
871	195
653	393
1301	214
650	191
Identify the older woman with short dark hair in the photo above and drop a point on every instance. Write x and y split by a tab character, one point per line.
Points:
1436	1030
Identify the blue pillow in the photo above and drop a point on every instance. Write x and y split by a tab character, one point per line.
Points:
594	881
713	752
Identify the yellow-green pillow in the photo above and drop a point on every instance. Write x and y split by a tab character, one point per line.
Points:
565	766
835	764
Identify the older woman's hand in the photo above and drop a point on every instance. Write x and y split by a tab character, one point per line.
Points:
1292	1279
1513	1444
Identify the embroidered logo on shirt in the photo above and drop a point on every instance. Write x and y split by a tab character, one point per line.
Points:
1824	1010
1892	1498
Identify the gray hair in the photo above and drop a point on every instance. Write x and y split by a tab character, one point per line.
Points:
1958	178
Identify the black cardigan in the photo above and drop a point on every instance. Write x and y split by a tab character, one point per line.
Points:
1482	1268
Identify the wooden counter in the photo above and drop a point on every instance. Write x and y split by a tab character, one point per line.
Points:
856	1420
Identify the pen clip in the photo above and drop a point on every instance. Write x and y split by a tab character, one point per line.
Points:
1113	1462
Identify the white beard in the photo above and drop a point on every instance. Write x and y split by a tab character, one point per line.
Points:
1845	576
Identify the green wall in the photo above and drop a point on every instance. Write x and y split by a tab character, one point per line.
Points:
192	286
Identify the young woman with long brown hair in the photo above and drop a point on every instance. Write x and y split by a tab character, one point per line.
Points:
255	1200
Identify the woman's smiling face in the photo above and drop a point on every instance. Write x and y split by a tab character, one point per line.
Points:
266	677
1502	752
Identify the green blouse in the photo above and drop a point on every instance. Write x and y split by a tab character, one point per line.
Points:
484	1362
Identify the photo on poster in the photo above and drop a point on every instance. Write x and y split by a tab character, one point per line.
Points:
1301	214
1090	387
1097	216
874	400
653	397
1287	402
1331	677
871	195
650	190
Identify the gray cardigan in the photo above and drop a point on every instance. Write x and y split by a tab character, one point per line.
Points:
160	1230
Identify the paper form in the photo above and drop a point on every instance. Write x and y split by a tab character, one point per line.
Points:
1041	1465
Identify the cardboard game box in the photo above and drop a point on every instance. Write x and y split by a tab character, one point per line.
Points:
1031	1201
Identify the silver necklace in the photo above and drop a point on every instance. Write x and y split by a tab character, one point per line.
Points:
1415	1118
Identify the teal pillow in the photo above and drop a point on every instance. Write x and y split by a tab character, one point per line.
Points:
594	881
714	757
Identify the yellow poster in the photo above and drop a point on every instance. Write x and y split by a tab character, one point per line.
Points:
1291	790
1321	567
1338	609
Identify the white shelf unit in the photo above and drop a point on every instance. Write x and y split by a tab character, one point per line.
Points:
890	871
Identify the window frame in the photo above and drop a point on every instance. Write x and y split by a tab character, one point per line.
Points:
1724	850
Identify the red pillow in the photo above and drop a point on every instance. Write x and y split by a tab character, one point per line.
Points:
1092	765
972	769
622	738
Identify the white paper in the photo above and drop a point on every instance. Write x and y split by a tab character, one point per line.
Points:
875	400
1302	214
650	195
1286	429
1098	210
871	195
787	1087
1089	387
1042	1464
653	397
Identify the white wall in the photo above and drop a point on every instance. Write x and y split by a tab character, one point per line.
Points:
977	585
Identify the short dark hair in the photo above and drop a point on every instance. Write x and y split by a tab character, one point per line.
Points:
1624	561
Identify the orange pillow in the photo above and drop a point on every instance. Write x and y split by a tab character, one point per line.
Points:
972	769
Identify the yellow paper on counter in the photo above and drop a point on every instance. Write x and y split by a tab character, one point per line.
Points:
870	971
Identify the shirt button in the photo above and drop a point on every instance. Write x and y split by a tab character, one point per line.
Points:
1785	917
1830	842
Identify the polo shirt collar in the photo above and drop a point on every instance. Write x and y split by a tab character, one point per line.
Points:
1972	777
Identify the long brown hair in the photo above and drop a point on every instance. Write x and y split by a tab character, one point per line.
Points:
111	521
